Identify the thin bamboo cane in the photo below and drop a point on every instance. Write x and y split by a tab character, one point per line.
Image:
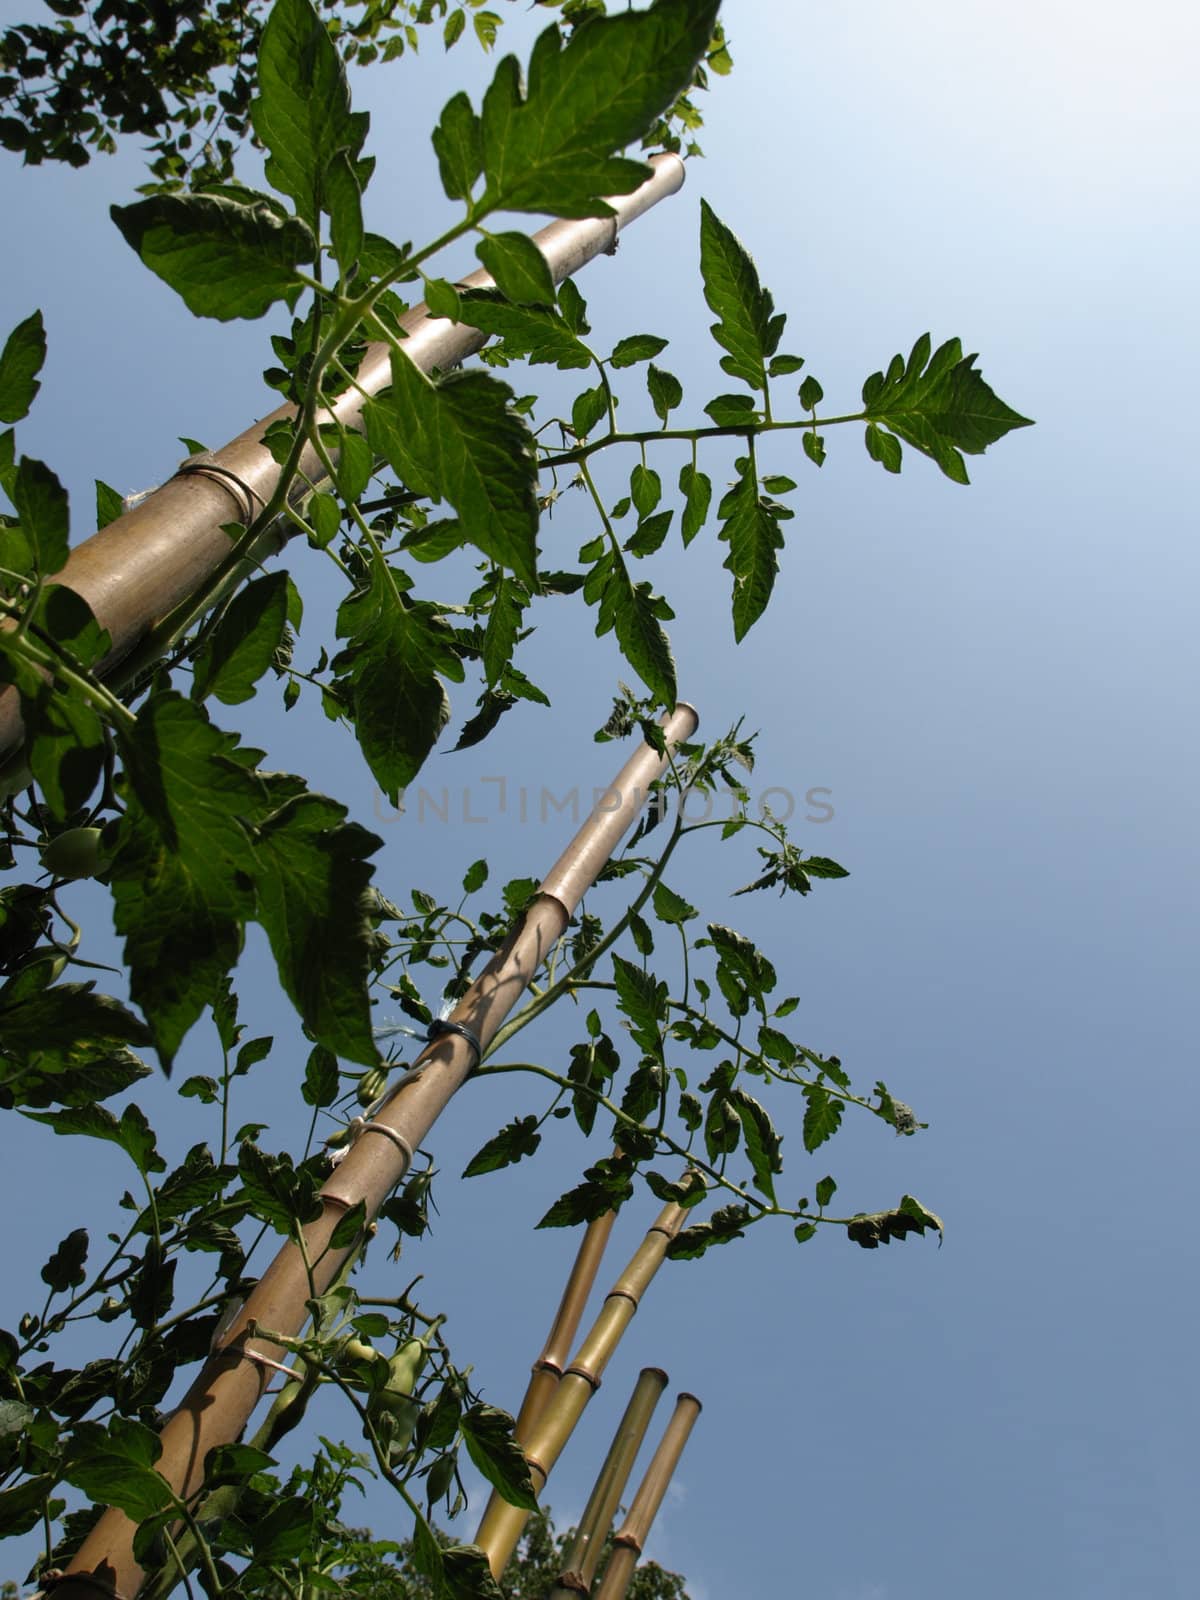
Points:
150	562
548	1368
217	1406
582	1555
502	1524
628	1544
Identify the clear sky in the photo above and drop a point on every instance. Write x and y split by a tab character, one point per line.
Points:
996	684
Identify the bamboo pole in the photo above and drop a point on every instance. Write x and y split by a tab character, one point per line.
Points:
219	1403
548	1368
628	1544
149	564
502	1524
582	1555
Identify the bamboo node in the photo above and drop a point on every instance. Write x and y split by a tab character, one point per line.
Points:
629	1540
204	464
574	1581
589	1378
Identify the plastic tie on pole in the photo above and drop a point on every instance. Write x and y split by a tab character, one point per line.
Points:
440	1026
204	464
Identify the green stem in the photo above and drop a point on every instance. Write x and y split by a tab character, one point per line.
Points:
744	431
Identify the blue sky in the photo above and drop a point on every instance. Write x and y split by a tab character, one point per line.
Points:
995	684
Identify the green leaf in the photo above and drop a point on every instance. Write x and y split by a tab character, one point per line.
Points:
182	873
645	489
541	333
733	411
940	405
488	1435
514	1142
881	1227
551	148
22	1506
67	1044
649	535
20	362
65	1268
285	1532
666	392
822	1116
225	259
748	326
587	410
762	1141
573	307
636	347
240	648
811	394
458	142
116	1468
883	447
302	114
697	488
503	627
459	441
635	614
391	667
443	299
321	1081
520	269
780	366
826	1189
109	504
671	907
342	198
475	877
752	533
130	1132
312	876
452	31
41	504
727	1223
814	447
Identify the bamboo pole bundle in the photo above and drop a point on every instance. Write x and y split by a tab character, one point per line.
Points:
582	1555
502	1524
628	1544
141	574
219	1403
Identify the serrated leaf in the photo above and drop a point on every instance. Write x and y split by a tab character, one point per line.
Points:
883	447
727	1223
129	1132
342	198
457	142
224	259
822	1116
633	612
114	1466
881	1227
752	533
20	362
65	1268
521	271
671	907
241	647
551	148
302	113
733	411
762	1141
940	405
540	333
748	326
459	441
41	504
285	1532
488	1435
396	656
23	1505
503	626
514	1142
68	1044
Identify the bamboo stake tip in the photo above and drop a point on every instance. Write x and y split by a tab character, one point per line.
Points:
685	1395
656	1372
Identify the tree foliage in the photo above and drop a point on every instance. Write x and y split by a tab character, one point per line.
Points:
686	1046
